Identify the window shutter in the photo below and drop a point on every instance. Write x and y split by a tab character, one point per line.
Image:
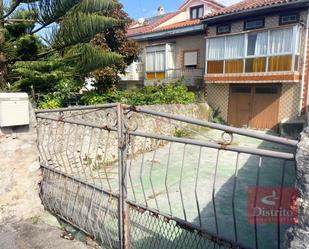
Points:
190	58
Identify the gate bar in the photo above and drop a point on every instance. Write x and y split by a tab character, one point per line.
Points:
229	129
76	108
77	122
234	148
246	150
122	178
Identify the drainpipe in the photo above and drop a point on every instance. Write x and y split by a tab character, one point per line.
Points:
304	61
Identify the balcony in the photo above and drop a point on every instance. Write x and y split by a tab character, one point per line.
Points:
266	55
135	72
192	77
186	73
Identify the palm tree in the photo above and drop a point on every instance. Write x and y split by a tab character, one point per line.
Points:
68	27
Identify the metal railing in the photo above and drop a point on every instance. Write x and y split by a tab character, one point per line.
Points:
186	73
137	178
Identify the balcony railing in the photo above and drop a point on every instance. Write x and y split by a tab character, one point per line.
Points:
186	73
135	72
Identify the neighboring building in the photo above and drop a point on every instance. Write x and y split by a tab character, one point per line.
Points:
251	56
173	46
256	69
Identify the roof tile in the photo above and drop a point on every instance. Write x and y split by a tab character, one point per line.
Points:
246	5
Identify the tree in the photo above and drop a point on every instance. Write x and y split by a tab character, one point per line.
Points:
72	24
115	39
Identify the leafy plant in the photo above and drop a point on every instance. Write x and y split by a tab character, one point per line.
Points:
182	132
50	102
172	93
215	116
72	26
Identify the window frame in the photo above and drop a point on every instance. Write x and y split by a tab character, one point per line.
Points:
289	14
155	49
226	32
295	50
252	20
197	8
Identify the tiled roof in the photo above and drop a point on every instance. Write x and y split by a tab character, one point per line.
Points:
247	5
150	24
211	2
179	25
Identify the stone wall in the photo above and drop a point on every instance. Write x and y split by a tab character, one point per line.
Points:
19	173
298	236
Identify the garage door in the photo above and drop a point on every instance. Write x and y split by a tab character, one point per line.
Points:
254	106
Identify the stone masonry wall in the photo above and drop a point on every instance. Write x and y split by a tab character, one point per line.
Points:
19	174
298	236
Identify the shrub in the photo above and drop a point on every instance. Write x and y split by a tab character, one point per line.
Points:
181	132
50	102
171	93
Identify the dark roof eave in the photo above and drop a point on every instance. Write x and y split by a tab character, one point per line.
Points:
189	30
256	11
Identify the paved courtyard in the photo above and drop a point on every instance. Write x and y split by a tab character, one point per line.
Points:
180	180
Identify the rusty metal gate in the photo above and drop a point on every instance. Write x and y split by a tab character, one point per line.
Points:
132	177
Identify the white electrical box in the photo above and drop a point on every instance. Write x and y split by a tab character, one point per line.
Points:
14	109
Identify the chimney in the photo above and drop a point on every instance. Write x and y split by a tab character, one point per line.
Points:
160	11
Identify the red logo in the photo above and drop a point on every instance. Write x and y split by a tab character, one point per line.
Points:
267	205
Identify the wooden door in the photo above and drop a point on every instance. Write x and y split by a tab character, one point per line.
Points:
265	107
239	105
255	106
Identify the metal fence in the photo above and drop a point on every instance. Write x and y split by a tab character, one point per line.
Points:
136	178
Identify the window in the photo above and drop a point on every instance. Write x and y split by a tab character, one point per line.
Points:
257	44
281	41
254	24
257	48
234	47
197	12
159	59
241	89
266	89
223	29
266	51
288	18
155	62
215	55
190	59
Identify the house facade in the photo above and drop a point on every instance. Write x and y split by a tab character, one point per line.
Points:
250	59
172	45
256	69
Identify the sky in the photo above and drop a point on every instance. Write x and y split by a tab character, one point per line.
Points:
148	8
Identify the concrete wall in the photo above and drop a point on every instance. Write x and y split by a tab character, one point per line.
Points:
19	173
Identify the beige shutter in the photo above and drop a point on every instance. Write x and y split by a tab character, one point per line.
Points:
190	58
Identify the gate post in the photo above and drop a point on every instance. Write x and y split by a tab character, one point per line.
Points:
122	178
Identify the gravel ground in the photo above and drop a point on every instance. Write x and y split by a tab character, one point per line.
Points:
36	234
